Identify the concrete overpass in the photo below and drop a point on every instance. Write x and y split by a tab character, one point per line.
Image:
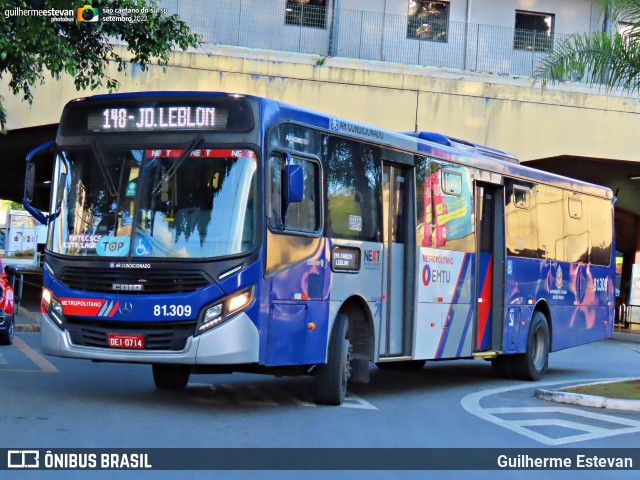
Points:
571	129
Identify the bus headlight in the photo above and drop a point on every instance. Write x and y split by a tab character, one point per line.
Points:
52	306
238	302
212	317
46	296
56	311
222	310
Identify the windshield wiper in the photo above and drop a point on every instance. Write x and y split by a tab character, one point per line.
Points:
172	170
103	168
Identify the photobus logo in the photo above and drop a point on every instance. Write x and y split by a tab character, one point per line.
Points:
87	14
23	459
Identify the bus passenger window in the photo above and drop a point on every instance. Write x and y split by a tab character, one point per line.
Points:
304	216
521	221
576	230
274	199
301	216
550	215
599	213
444	206
353	188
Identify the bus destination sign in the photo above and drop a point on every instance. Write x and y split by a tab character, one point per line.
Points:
157	118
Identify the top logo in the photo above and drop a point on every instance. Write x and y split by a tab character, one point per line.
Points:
87	14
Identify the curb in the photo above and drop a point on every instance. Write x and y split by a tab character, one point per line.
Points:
28	327
594	401
626	337
27	321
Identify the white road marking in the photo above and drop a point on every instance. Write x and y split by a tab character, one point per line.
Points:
3	361
42	363
281	394
266	396
353	401
471	403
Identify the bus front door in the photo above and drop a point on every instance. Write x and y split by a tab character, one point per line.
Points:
394	332
490	261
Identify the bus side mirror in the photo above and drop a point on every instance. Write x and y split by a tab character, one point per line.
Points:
30	180
295	183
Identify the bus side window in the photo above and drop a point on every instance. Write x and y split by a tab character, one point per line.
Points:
576	229
353	179
274	198
600	230
301	216
521	221
550	220
304	216
444	206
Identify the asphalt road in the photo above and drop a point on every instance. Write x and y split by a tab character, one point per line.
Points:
56	403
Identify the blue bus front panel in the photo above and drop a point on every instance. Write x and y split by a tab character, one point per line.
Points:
165	324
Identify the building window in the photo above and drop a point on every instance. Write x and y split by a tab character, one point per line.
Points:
534	31
428	20
306	13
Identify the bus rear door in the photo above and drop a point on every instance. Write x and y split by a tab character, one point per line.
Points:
490	265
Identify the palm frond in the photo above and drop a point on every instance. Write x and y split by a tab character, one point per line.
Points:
627	12
598	59
623	10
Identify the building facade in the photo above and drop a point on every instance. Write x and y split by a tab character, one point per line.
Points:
493	36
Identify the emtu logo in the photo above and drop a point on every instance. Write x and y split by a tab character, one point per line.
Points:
87	14
426	275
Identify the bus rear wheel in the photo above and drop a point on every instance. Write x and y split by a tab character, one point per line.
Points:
532	364
332	377
503	366
171	377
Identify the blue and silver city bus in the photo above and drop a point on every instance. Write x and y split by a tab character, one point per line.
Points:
209	232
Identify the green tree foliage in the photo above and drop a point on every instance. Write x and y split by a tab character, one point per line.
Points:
31	46
601	58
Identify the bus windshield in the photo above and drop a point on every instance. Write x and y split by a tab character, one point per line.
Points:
123	203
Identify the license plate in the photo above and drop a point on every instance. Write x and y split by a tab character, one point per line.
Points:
119	340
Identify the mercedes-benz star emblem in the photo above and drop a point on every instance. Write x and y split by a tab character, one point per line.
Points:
126	308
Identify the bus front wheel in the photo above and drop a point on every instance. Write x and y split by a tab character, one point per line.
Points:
333	376
171	377
532	364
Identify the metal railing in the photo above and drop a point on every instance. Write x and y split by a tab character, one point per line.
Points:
289	27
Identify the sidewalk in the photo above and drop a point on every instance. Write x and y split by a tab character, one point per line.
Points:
28	317
627	337
27	320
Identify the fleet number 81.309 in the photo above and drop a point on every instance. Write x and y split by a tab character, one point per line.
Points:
171	310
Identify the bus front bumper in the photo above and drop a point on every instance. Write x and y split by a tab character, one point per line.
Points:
236	341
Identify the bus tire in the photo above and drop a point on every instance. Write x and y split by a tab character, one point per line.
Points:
532	364
402	366
6	337
332	377
503	366
171	377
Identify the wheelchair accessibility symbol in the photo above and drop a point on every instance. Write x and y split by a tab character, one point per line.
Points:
142	247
